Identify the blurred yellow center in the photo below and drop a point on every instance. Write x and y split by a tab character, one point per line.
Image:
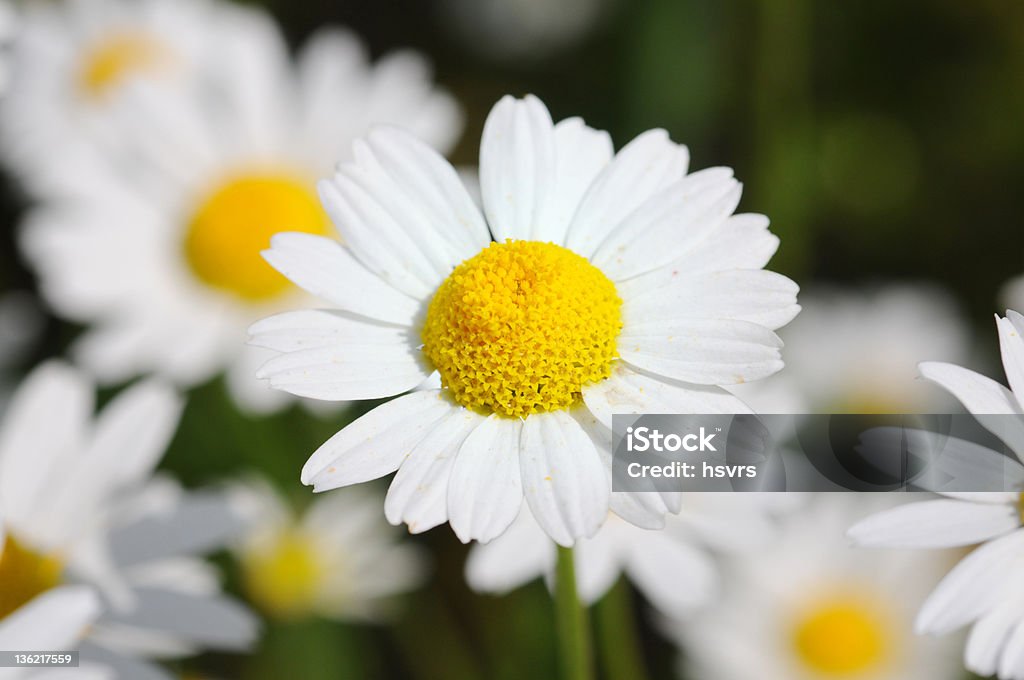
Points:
110	61
235	221
842	637
284	578
521	327
24	574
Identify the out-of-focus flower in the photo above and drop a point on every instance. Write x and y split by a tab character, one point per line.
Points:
674	568
1012	294
984	589
156	243
807	606
613	283
339	560
9	25
56	620
522	30
71	503
853	352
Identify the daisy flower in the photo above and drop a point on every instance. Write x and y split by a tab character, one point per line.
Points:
182	205
807	606
592	283
984	588
658	563
66	482
338	560
853	352
54	621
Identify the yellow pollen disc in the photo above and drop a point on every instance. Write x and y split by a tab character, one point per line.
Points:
284	578
235	222
521	327
112	60
24	574
842	637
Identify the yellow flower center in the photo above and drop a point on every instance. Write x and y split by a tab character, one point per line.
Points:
284	578
111	61
24	573
521	327
234	223
842	637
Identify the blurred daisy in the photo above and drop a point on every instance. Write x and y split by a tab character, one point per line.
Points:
182	205
985	588
54	621
65	481
21	321
809	607
613	283
854	352
658	563
338	560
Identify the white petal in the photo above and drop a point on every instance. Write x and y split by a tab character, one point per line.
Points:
660	564
941	523
316	328
974	586
702	351
581	152
328	270
517	168
989	635
426	193
564	480
485	490
1011	347
518	556
641	169
597	563
375	444
982	397
753	295
43	431
418	494
354	370
742	242
628	391
670	223
55	620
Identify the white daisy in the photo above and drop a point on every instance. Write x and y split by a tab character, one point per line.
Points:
182	205
615	283
54	621
675	568
65	481
984	589
854	352
338	560
807	606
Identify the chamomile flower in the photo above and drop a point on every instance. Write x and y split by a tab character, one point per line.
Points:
71	58
338	560
984	589
197	184
854	352
56	620
809	607
592	283
675	568
65	480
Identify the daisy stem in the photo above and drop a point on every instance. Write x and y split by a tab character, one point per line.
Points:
573	626
618	642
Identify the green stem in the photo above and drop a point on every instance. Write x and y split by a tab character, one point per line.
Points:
619	644
573	627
